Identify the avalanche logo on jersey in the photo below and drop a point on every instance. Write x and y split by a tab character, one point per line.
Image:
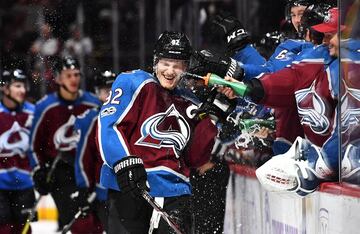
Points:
349	113
65	139
315	118
167	129
14	141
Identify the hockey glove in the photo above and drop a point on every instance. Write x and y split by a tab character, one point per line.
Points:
204	62
42	183
131	175
80	199
236	37
217	106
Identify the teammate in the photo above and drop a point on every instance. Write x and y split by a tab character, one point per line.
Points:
16	187
313	82
148	136
53	141
88	161
284	55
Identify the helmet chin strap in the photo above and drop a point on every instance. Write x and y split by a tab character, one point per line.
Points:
67	90
17	103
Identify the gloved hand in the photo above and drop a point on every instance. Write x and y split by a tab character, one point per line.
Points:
131	175
236	37
82	201
217	106
204	62
42	183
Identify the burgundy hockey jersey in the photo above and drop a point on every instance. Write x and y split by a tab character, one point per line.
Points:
14	145
143	119
52	129
310	83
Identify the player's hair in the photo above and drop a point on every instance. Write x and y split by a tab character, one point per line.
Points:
314	14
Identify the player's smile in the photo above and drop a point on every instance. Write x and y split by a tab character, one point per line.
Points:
168	72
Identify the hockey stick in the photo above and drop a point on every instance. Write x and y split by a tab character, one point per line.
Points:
161	211
32	211
90	200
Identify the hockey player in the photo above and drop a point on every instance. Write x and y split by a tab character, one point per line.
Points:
145	129
284	55
53	141
88	161
16	187
314	83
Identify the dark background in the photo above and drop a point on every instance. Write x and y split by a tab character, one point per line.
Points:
127	44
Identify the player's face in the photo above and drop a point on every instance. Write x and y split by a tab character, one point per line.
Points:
168	72
296	13
334	46
327	38
70	78
17	91
103	93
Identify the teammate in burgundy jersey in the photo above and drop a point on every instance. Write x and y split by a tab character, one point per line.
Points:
147	124
16	186
88	161
53	141
314	82
303	15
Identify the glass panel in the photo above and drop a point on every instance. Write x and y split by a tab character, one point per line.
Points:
350	91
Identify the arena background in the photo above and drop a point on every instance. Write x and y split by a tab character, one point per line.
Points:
122	32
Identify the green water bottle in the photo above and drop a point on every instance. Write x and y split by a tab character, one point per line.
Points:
239	88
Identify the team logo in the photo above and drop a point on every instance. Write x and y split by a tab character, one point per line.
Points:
313	116
349	113
65	138
324	221
14	141
108	111
168	129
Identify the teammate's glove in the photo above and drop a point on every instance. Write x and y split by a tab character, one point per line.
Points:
217	106
236	37
204	62
80	198
131	175
42	183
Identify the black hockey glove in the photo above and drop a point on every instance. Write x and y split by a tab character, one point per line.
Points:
81	200
42	183
236	37
131	175
217	106
204	62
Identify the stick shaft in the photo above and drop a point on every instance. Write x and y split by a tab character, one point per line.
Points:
159	209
